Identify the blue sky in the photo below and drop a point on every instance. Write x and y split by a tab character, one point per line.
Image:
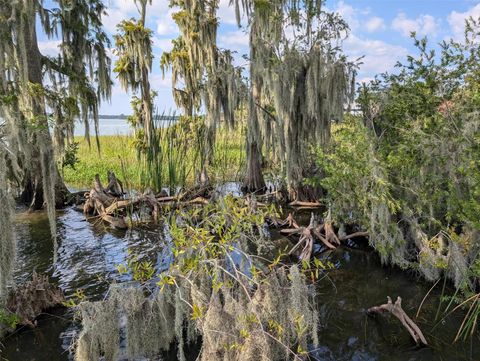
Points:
379	31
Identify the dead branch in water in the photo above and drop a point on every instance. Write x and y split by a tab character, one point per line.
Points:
111	208
397	310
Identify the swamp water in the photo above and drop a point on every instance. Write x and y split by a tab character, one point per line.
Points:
88	256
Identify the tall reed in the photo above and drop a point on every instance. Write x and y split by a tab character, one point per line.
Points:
164	158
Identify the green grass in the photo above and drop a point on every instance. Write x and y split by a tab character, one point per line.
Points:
118	154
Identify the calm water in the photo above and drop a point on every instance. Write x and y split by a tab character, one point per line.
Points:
106	127
89	253
115	126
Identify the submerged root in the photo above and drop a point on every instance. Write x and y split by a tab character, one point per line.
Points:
325	233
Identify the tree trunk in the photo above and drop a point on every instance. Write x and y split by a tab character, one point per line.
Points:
32	101
254	178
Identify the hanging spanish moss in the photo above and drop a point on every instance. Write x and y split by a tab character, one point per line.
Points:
276	321
298	87
203	74
214	292
134	50
7	236
80	74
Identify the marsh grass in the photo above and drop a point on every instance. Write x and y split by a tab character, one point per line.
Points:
172	159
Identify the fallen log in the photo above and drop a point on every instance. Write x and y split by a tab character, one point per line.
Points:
117	206
197	200
290	231
396	310
166	199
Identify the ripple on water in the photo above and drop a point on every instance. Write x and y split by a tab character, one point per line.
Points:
87	255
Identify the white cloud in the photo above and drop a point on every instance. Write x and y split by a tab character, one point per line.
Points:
457	20
379	55
375	23
348	13
234	40
226	13
238	42
158	81
49	47
162	44
165	23
119	10
422	25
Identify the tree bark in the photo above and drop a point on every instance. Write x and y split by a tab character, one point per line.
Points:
29	61
254	178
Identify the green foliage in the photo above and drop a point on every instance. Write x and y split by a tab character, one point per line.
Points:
8	319
222	228
70	158
120	155
75	299
407	169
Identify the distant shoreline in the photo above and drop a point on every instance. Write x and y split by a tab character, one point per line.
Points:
124	117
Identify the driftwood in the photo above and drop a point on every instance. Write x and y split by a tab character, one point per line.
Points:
34	297
195	192
108	204
353	235
396	310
